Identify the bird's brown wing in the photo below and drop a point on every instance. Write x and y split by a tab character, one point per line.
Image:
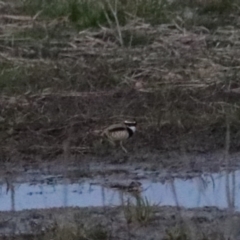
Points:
113	127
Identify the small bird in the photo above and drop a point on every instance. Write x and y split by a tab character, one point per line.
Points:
120	132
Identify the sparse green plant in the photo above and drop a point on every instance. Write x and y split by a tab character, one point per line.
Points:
177	233
12	77
116	13
20	78
205	13
154	11
97	232
141	212
82	13
93	13
79	232
206	5
217	6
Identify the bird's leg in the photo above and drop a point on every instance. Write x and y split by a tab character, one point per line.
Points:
123	148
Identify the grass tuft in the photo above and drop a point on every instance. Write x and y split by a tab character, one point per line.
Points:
92	14
141	211
216	6
82	13
97	232
178	233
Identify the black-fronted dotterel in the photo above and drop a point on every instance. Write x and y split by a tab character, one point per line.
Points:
120	132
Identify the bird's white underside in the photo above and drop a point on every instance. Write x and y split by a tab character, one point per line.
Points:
133	128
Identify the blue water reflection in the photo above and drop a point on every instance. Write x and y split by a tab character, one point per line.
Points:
219	190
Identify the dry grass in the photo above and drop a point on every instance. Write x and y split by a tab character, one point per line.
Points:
178	79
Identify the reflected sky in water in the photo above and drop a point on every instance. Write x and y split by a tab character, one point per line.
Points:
219	190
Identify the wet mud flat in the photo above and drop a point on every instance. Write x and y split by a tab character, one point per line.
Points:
140	199
177	163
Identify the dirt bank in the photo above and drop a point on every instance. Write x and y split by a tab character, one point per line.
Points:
163	223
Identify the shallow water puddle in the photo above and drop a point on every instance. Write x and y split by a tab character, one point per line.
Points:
219	190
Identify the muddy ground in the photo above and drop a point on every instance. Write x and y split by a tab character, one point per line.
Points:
60	83
165	223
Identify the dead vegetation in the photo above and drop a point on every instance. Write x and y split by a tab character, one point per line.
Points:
62	79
